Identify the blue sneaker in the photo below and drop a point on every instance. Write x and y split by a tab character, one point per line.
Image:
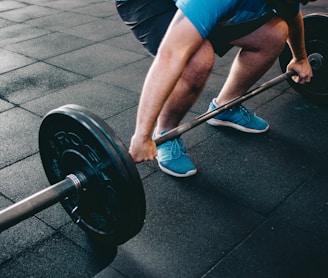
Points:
239	118
173	159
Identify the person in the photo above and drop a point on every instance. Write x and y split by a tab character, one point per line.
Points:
184	36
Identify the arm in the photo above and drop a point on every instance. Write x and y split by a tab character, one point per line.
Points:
296	41
179	44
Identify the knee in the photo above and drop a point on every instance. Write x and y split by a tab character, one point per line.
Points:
204	58
200	67
276	36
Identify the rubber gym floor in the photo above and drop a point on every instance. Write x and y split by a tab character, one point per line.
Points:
258	206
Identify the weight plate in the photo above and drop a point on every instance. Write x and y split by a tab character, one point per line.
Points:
316	41
111	205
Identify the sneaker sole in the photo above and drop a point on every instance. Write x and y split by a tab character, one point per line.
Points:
178	175
215	122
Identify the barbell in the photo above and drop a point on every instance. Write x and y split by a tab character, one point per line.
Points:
92	173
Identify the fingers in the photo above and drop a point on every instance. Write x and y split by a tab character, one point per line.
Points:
140	157
141	150
303	70
302	79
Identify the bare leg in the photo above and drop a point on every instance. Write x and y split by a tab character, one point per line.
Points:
188	88
258	52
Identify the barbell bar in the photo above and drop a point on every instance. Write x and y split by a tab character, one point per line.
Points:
316	60
92	173
179	130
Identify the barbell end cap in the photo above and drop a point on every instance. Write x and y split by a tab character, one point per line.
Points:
315	60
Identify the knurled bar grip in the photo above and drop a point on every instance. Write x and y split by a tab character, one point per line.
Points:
37	202
176	132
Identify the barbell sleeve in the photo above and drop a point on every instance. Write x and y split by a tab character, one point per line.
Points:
37	202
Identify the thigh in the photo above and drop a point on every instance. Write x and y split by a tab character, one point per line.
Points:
224	36
270	35
147	19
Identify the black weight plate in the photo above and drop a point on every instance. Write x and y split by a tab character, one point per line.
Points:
316	41
112	204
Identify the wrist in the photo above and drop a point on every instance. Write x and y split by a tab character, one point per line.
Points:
300	58
143	135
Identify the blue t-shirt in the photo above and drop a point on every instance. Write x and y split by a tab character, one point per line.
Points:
206	14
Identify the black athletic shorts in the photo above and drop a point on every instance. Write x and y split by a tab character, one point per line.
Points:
221	36
149	20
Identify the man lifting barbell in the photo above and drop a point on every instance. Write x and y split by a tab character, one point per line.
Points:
91	172
183	36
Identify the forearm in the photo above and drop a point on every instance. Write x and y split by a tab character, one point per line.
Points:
299	62
159	83
175	52
296	37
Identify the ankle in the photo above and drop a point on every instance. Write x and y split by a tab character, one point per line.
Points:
216	103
